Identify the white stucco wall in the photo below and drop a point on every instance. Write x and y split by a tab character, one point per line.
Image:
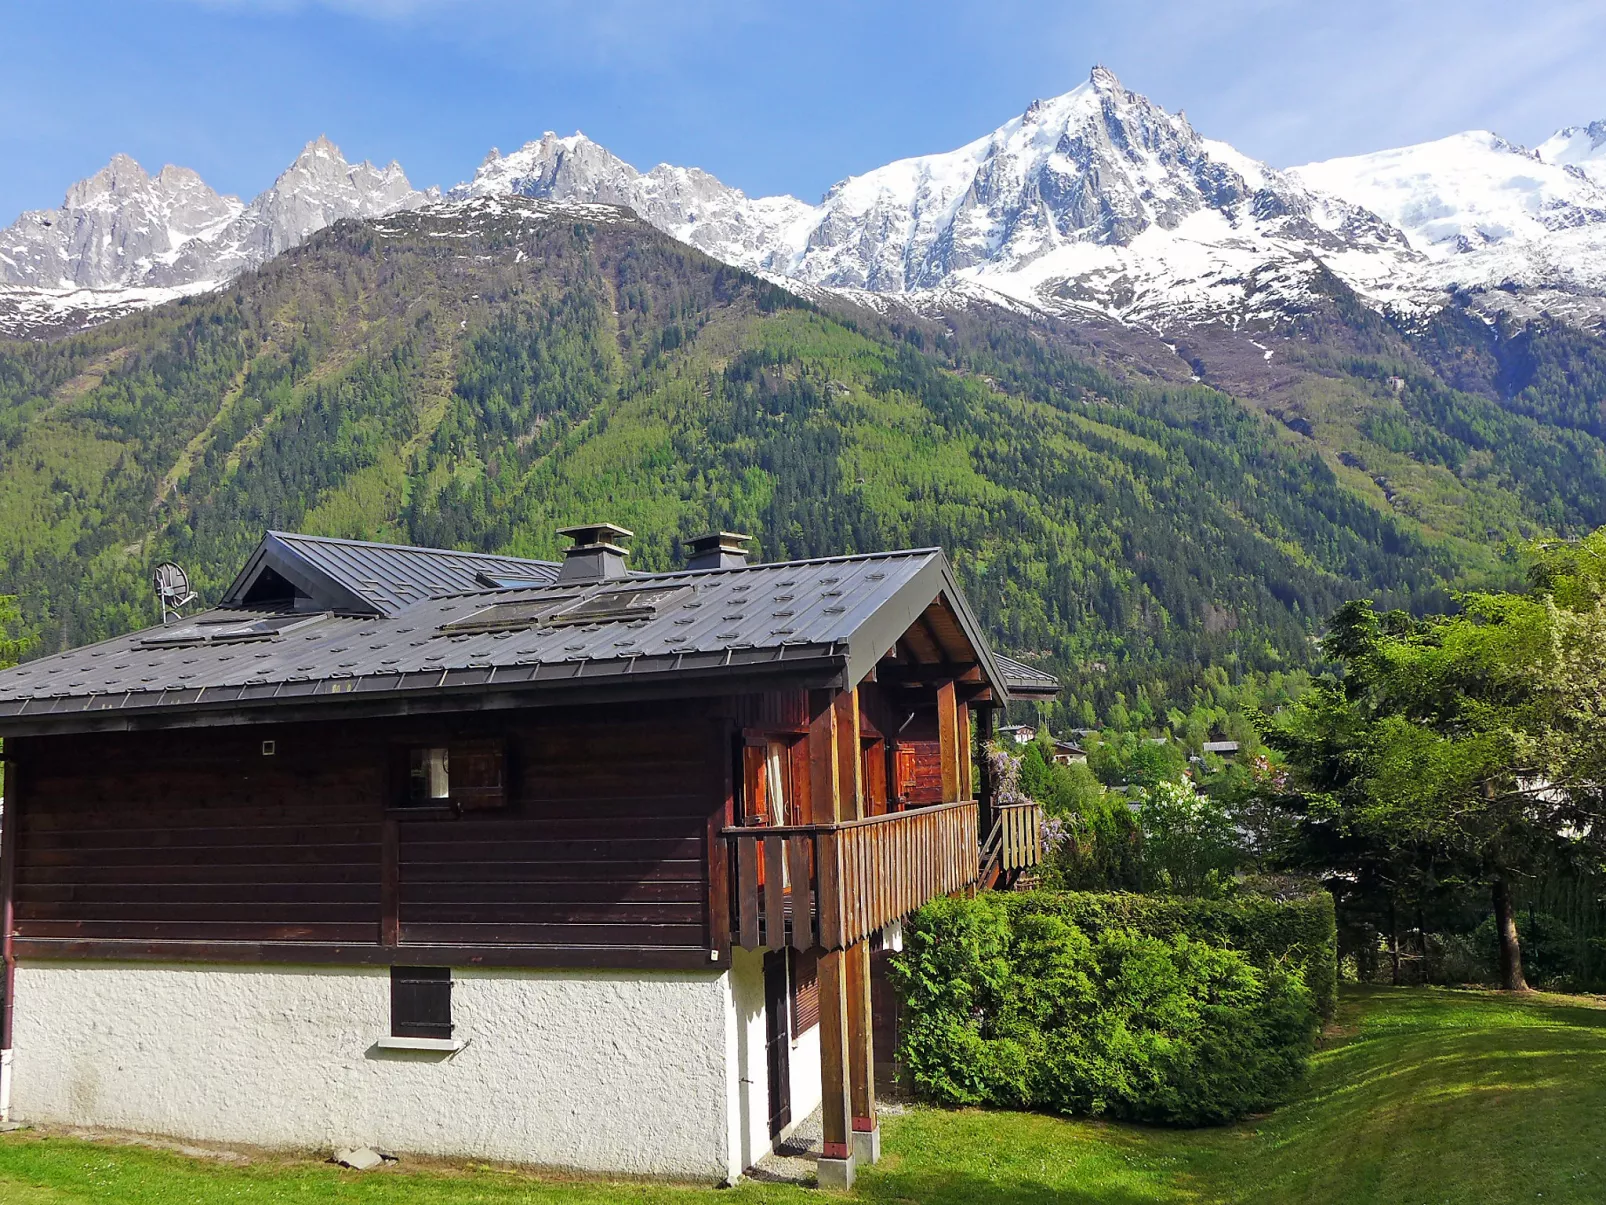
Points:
749	1076
750	1089
806	1090
634	1072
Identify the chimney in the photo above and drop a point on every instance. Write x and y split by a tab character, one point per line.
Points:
595	556
717	550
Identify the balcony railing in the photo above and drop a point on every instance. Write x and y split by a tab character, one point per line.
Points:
1014	845
832	885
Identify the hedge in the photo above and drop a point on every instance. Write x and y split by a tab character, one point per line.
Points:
1298	935
1174	1011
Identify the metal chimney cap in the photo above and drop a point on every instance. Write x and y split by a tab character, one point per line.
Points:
594	556
596	535
727	541
717	550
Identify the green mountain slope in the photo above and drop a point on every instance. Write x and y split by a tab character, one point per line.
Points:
480	378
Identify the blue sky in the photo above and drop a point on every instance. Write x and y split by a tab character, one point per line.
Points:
769	96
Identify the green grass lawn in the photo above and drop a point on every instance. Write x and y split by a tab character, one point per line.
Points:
1420	1096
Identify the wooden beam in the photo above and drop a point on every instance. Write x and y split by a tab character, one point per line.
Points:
721	816
948	740
319	953
824	771
861	1042
920	642
850	777
835	1075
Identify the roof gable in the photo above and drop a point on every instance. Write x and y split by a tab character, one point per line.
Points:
355	577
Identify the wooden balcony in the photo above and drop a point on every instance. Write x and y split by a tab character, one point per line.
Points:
832	885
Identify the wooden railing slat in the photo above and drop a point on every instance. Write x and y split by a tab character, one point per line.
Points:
747	893
774	894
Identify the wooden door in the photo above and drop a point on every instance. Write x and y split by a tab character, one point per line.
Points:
777	1040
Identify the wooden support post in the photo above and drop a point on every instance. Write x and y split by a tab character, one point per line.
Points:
850	763
948	740
836	1160
861	1056
826	773
986	788
967	774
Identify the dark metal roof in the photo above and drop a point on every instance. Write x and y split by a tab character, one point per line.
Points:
1024	682
360	578
835	616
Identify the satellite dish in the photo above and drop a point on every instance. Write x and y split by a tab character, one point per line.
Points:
172	590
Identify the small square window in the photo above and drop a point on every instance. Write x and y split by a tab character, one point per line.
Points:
465	776
420	1002
430	777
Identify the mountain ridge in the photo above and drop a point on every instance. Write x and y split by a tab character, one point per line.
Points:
1097	202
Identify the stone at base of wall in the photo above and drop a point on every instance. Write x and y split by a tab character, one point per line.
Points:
867	1146
836	1174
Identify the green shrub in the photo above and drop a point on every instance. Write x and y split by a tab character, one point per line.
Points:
1019	1007
1298	936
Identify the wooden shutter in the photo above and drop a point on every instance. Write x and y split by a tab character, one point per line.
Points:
478	775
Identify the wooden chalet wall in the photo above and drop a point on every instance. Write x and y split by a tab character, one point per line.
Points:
192	843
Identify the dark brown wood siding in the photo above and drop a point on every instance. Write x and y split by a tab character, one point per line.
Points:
602	843
196	836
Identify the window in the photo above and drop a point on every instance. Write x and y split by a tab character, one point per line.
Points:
420	1002
463	775
767	774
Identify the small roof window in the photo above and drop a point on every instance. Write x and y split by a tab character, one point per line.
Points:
230	630
570	610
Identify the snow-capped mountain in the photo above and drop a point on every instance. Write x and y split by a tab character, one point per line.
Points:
687	203
1097	200
1488	213
123	237
1583	147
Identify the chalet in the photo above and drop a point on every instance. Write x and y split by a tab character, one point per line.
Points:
478	856
1021	734
1227	749
1068	753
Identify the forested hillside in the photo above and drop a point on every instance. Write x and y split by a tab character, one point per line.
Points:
479	376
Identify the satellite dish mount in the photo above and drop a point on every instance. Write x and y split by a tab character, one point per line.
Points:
173	591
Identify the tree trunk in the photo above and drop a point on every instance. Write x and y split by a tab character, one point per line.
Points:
1394	941
1505	925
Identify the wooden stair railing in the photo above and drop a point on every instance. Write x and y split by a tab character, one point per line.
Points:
1015	844
832	885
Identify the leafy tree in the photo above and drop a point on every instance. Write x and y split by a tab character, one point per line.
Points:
1470	740
1190	845
14	640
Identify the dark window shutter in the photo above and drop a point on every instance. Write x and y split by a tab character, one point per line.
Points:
421	1002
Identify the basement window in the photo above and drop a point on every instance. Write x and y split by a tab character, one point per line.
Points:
421	1002
466	776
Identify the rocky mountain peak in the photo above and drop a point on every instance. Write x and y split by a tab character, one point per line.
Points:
125	229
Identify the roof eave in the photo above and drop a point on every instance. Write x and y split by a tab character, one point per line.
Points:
819	667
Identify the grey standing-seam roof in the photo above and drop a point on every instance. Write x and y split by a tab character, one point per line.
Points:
837	616
1024	682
